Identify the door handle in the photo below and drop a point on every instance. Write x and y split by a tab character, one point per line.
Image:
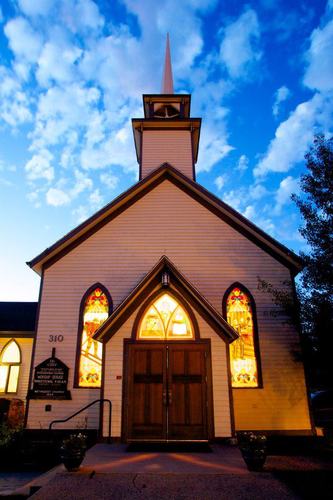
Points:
169	397
165	398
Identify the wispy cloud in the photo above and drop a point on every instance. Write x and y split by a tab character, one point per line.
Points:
243	163
287	187
239	47
319	72
220	181
281	95
71	78
294	135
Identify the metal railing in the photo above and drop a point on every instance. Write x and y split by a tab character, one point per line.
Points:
101	401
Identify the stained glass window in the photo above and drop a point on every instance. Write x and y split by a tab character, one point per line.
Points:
244	371
10	361
165	319
96	311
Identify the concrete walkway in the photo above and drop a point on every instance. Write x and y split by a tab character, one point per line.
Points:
106	458
110	472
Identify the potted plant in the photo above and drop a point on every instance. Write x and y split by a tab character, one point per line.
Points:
253	448
73	450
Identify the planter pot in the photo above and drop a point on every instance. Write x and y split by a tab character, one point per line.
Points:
254	462
73	461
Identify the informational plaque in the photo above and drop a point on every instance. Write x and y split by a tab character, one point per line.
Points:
50	380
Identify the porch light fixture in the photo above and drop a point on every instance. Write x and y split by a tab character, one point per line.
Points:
165	279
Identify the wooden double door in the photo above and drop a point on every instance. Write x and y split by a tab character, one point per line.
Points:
167	393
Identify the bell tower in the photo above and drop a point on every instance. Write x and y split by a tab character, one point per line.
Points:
167	133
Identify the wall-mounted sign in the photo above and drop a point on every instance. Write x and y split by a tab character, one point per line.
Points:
50	380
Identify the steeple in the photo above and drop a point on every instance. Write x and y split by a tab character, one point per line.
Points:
167	81
167	133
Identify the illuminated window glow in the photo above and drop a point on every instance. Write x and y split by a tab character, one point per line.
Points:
165	319
96	311
10	361
244	371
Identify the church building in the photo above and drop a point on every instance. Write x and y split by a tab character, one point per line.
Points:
153	304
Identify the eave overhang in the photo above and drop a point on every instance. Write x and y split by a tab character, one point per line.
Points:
193	125
183	99
193	189
178	282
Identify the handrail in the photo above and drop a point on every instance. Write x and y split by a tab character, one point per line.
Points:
101	401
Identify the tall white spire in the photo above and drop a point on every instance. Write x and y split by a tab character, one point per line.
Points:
167	81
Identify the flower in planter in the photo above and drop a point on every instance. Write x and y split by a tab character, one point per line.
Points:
72	451
75	443
253	448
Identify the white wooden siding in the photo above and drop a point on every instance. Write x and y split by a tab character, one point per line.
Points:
212	255
172	146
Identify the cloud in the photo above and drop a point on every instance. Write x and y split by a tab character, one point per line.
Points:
14	103
62	112
257	191
242	164
96	199
249	212
319	72
109	180
234	198
57	197
294	135
241	197
213	148
255	215
34	198
82	182
23	40
116	150
82	15
287	186
36	7
220	181
81	213
72	79
239	47
56	63
39	167
281	95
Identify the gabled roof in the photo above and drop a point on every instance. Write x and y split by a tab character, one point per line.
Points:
153	281
193	189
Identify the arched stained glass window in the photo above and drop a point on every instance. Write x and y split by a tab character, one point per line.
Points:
164	319
95	312
10	361
243	362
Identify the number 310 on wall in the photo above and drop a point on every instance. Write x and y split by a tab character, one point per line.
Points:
56	338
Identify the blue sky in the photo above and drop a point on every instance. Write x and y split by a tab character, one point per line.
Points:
72	75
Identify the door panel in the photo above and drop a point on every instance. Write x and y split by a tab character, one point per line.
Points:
166	396
147	375
188	399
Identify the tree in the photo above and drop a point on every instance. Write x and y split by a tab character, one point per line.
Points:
314	307
316	291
